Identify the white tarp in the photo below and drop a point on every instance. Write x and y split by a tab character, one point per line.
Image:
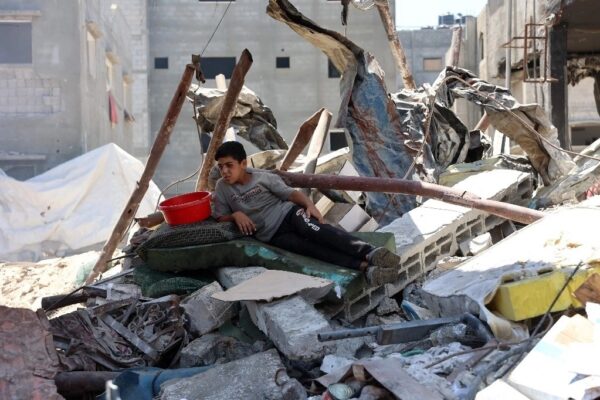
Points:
69	207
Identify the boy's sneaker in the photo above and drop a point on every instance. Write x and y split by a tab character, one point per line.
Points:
381	256
377	276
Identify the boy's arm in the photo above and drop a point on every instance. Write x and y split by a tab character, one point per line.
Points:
303	201
243	222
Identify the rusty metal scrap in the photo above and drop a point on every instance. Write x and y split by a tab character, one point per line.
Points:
119	334
28	361
528	125
384	145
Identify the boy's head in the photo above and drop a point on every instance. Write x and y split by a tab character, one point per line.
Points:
231	159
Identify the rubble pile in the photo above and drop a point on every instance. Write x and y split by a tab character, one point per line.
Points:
492	299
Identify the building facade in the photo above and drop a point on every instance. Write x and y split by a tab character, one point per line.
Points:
291	76
572	33
65	82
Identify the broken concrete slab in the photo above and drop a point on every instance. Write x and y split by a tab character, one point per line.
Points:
260	376
434	230
559	241
213	348
205	313
291	323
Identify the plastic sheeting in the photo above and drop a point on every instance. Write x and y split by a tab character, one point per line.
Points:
70	207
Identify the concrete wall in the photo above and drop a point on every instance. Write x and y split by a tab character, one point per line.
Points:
179	28
136	14
54	107
421	44
492	32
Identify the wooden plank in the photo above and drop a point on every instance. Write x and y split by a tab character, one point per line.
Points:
589	290
390	374
301	139
158	148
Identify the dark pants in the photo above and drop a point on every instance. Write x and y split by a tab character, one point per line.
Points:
321	241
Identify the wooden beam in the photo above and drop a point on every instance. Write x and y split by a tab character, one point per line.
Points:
417	188
235	87
302	138
558	89
160	143
383	7
455	45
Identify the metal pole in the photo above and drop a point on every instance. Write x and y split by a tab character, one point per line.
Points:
390	185
160	143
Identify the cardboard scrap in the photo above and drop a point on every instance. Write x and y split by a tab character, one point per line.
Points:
273	284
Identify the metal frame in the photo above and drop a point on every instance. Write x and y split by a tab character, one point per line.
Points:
529	42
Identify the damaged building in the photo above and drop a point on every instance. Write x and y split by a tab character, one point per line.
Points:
482	279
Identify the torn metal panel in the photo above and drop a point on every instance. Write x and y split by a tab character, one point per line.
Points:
252	120
517	124
384	144
28	360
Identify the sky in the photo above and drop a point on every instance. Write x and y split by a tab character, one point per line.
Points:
411	14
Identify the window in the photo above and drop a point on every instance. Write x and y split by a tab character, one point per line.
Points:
161	63
213	66
15	42
481	48
282	62
91	54
109	73
433	64
332	71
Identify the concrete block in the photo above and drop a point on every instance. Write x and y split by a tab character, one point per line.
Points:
434	230
500	390
213	348
476	245
291	323
204	313
371	226
260	376
349	217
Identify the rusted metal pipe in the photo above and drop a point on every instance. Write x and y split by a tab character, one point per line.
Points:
235	87
160	143
82	382
509	211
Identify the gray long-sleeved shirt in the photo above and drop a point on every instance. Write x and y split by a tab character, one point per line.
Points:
264	199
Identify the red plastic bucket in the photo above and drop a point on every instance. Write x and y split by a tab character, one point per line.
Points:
186	208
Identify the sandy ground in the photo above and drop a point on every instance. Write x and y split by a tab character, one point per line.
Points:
23	284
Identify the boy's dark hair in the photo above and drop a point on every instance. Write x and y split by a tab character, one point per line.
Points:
234	150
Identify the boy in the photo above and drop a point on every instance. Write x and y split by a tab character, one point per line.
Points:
262	205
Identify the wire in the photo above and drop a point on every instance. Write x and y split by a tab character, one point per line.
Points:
216	28
534	335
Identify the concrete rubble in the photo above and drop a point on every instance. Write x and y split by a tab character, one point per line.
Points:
497	293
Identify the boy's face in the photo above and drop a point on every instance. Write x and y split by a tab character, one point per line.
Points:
231	169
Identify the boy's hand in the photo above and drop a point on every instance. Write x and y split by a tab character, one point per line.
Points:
244	223
311	211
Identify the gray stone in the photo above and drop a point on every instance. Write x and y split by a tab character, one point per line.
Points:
291	323
258	377
214	349
204	313
387	306
332	362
